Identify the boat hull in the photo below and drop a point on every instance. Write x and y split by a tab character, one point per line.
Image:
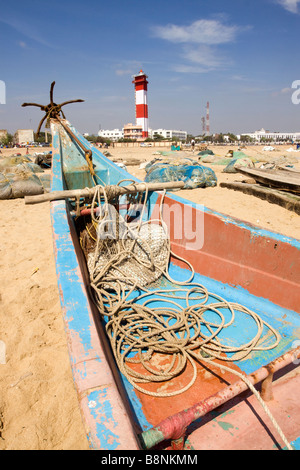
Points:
236	260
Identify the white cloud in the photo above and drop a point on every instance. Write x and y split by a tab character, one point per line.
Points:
128	67
238	77
200	42
28	31
283	91
121	72
200	32
203	55
189	69
290	5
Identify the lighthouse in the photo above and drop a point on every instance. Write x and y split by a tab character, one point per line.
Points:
141	106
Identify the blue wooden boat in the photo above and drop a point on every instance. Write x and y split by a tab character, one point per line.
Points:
243	264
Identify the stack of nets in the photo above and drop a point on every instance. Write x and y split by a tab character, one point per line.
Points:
184	169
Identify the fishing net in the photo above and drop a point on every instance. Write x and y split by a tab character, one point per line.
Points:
190	172
24	167
137	253
14	160
14	186
234	164
22	179
205	152
227	160
168	160
213	159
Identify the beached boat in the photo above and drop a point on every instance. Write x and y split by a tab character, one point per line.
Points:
243	336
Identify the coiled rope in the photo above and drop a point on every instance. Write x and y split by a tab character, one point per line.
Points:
138	330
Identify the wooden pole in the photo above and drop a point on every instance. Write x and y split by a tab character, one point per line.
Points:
89	192
284	199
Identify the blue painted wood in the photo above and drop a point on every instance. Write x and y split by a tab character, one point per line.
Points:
92	380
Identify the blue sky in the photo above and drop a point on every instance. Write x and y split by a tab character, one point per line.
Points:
240	56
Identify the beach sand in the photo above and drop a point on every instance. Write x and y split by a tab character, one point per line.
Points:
38	403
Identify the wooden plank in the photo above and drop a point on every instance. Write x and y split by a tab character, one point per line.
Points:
293	170
281	180
288	201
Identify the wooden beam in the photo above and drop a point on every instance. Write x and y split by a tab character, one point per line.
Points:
284	199
89	192
278	179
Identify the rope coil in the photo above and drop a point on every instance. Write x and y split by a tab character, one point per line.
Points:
138	331
134	327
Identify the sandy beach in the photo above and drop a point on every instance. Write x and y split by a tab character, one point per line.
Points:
38	403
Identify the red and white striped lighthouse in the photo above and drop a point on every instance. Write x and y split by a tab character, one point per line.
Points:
141	106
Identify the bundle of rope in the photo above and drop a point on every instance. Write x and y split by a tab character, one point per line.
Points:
126	261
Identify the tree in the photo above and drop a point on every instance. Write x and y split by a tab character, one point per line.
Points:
219	138
7	140
246	138
42	137
208	138
232	137
158	137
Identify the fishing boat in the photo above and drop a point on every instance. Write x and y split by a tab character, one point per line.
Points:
204	354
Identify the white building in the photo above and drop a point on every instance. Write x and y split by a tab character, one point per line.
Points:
117	134
24	136
113	135
273	136
170	134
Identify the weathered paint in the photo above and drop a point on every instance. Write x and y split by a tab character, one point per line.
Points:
175	426
242	251
296	444
240	255
93	377
250	428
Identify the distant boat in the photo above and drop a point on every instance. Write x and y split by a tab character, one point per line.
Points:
255	270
